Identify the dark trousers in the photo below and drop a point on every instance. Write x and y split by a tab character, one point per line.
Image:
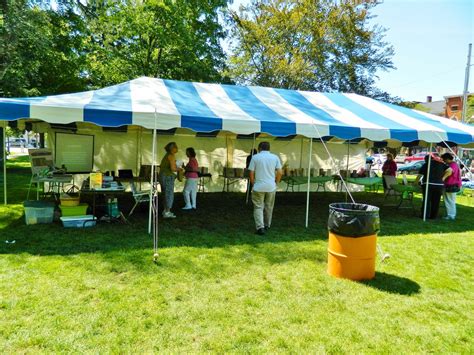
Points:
433	200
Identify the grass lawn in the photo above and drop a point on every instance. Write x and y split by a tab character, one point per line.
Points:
220	288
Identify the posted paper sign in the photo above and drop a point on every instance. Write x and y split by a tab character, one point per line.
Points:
95	181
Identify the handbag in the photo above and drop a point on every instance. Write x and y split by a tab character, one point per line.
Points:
452	188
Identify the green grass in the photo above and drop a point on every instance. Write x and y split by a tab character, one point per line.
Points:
219	288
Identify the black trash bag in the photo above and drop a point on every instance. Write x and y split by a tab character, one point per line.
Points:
353	219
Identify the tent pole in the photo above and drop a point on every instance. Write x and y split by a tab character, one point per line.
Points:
456	156
248	183
347	165
4	167
427	182
309	180
152	178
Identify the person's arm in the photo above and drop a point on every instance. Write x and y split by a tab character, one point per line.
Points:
252	177
279	171
394	168
448	172
172	160
421	173
252	172
279	174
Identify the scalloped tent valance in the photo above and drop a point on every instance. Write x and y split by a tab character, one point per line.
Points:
242	110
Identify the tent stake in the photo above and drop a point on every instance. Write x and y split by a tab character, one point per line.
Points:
427	182
309	180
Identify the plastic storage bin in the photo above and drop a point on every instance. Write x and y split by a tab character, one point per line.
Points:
69	200
79	210
79	221
38	212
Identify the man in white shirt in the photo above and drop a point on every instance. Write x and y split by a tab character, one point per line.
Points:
265	173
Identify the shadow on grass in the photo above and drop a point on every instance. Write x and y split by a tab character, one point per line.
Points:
393	284
223	219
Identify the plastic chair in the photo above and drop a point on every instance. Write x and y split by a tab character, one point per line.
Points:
390	180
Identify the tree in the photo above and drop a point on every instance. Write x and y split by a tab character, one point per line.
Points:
52	47
470	109
158	38
321	45
40	51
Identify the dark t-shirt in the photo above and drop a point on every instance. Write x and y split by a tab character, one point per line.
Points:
249	159
436	172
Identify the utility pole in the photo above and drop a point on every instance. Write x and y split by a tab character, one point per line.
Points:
466	85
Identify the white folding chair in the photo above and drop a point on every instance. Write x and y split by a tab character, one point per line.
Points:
388	190
138	196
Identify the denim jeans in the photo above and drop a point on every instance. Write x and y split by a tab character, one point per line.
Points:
167	188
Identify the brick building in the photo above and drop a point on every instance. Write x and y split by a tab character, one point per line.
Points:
453	106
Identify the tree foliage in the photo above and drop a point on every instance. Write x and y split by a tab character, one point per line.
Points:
61	46
158	38
40	50
470	109
321	45
57	46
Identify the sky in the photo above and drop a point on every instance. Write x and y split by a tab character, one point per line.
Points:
430	38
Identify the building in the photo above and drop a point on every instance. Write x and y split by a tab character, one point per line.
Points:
434	107
453	106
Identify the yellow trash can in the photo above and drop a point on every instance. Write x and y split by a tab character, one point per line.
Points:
352	242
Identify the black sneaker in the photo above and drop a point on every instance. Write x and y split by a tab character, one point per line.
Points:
261	231
266	228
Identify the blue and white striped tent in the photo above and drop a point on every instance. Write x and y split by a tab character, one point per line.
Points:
242	110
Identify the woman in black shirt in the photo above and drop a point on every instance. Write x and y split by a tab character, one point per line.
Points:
438	172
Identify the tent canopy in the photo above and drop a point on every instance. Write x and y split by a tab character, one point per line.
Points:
242	110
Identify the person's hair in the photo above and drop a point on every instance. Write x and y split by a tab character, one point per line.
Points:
170	146
390	155
447	156
190	151
264	146
253	152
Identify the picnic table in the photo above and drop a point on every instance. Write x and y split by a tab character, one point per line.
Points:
292	181
372	183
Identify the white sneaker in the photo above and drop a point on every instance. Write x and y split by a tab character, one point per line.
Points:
169	215
186	208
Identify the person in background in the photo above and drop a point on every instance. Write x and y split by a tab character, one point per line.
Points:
389	168
438	173
249	158
168	170
265	173
452	185
247	163
192	178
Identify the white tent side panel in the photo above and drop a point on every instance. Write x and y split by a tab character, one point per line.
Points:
131	149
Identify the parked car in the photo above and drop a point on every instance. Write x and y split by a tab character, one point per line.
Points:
400	158
16	142
412	167
416	157
379	158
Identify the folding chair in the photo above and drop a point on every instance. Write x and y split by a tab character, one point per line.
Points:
388	190
138	196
